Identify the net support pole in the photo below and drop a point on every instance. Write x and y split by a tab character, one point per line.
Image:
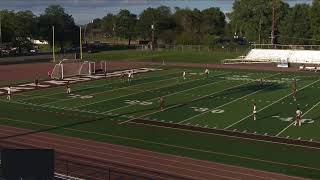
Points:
105	66
62	74
53	54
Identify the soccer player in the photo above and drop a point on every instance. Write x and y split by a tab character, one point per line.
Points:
36	83
206	72
68	87
294	90
298	117
261	81
129	76
9	93
184	75
49	74
254	112
161	101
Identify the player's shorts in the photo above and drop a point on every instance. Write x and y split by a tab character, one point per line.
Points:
298	117
254	112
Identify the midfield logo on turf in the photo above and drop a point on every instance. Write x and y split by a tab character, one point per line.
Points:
200	109
288	119
136	102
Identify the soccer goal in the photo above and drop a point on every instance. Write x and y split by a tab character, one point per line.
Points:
101	67
66	68
87	68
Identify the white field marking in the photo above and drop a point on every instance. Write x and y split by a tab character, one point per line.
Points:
178	92
230	102
110	90
91	87
301	116
274	102
180	104
91	112
186	148
184	82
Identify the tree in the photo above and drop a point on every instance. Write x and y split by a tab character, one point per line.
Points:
295	28
8	25
160	17
315	19
65	28
125	24
213	21
108	25
253	19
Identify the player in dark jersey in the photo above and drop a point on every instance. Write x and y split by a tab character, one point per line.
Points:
294	90
68	87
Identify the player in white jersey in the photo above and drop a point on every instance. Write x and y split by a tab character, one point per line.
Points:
184	75
298	117
254	112
129	76
9	93
206	72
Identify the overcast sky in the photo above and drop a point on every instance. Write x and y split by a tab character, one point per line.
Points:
84	11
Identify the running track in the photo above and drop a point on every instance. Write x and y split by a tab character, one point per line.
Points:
145	164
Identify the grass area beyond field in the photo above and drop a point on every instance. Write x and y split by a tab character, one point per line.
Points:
167	56
104	110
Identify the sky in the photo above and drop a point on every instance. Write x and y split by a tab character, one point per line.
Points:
84	11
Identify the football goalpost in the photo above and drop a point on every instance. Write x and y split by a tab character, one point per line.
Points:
75	67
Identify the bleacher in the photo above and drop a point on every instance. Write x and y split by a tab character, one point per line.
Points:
284	55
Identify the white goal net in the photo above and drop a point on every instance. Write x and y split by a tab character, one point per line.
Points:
68	68
87	68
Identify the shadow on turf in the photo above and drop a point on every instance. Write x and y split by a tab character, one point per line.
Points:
251	89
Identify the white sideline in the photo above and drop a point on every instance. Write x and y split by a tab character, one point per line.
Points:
301	116
63	176
271	104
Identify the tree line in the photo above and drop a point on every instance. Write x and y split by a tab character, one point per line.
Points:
250	20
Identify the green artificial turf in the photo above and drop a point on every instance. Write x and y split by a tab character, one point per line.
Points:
223	101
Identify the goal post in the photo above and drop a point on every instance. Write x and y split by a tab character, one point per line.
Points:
69	68
66	68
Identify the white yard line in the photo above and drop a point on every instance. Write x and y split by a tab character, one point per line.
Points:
90	87
111	90
94	112
190	101
301	116
178	92
223	105
184	82
271	104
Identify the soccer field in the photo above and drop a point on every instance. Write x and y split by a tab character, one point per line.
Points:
128	113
